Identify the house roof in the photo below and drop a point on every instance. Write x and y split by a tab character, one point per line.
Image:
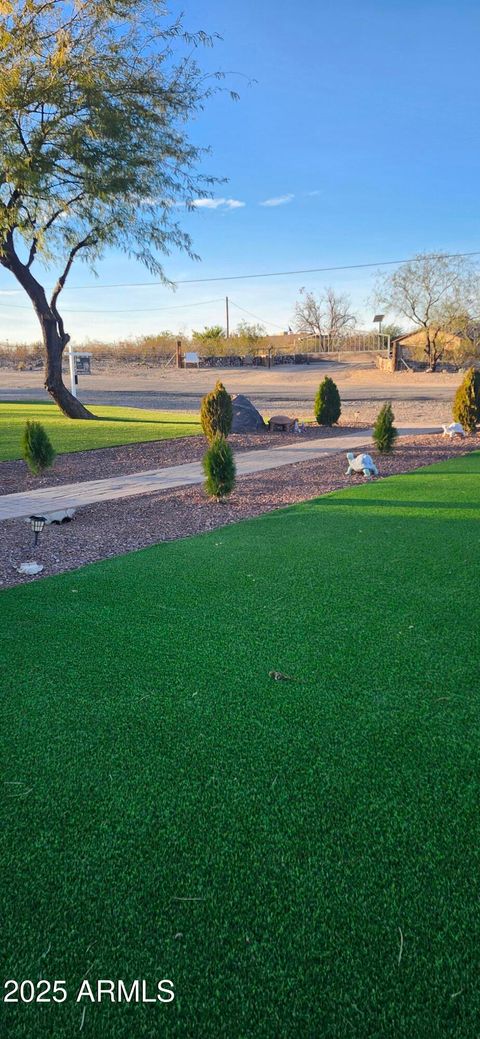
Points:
472	331
406	335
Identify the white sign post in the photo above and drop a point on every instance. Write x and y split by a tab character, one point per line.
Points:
71	364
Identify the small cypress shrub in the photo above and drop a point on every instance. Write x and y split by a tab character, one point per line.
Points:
327	403
37	449
384	432
216	412
219	468
466	401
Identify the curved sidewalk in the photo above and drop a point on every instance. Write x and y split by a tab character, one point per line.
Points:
75	495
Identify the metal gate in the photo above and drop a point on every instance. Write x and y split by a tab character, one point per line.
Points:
351	342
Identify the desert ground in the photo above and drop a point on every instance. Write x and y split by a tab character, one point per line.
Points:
416	396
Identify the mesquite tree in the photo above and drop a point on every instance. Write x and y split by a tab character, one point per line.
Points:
95	96
431	291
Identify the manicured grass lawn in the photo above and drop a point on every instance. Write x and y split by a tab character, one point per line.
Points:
301	858
113	426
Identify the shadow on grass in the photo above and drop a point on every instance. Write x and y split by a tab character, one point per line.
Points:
395	503
21	403
149	421
443	469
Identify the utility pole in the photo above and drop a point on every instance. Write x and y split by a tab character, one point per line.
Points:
227	315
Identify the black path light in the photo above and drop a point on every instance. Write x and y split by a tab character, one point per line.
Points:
37	523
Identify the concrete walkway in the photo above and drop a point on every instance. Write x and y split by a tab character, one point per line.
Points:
75	495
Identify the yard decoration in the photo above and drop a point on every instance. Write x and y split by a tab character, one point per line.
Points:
37	449
384	432
465	404
283	424
327	403
219	468
216	412
454	429
31	569
363	463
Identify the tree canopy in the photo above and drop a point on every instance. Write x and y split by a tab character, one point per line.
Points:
211	333
329	313
249	333
95	98
432	292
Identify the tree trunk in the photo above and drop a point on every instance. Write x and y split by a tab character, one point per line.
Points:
54	336
54	383
430	354
434	355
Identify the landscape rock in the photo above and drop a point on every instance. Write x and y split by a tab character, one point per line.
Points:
29	568
246	418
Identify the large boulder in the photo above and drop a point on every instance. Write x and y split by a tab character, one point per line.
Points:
246	418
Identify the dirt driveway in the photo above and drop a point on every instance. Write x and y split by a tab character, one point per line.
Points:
363	388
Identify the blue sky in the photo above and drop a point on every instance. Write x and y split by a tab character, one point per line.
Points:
362	124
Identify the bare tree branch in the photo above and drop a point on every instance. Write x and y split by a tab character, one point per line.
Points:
86	242
43	230
327	314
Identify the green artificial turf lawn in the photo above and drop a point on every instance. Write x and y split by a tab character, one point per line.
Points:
301	858
113	426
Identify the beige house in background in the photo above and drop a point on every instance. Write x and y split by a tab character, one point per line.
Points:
454	345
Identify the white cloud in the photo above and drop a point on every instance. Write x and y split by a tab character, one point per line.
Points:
312	193
217	203
280	200
11	292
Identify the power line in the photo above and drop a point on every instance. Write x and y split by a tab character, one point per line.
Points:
274	274
238	277
151	310
324	270
256	316
129	310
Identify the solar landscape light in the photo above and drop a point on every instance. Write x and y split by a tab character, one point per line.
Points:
37	524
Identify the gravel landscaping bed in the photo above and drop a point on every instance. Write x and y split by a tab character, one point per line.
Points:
110	529
135	458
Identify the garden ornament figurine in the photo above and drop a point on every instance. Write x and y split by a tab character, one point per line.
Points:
454	429
361	464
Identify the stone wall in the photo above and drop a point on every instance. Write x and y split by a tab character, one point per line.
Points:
386	364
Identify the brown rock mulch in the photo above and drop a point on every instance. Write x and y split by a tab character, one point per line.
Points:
79	466
110	529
